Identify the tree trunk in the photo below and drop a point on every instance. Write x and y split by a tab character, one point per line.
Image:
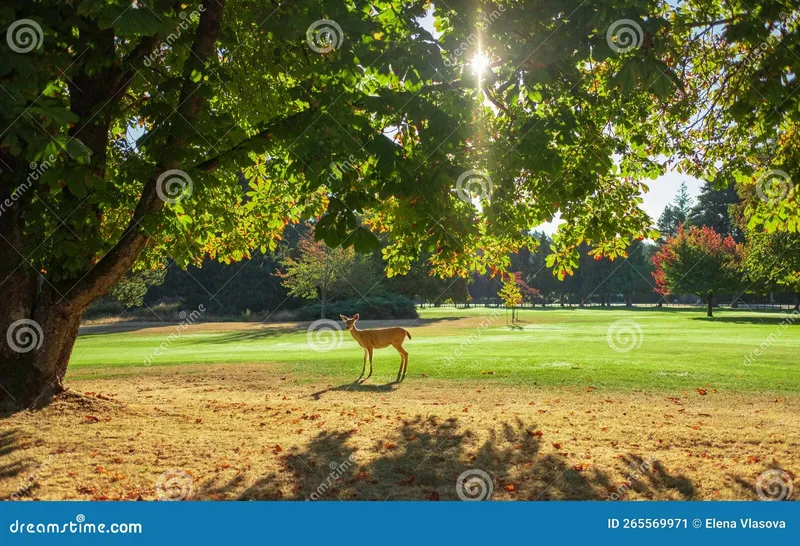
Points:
39	335
710	305
628	300
797	301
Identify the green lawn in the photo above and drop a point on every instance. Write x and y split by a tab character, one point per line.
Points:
678	350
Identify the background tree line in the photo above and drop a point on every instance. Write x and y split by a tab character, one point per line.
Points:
303	276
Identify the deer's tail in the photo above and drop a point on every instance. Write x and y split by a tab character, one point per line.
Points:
408	334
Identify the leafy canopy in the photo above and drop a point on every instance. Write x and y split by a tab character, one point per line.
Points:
367	132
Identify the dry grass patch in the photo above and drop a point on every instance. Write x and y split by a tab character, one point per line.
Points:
253	432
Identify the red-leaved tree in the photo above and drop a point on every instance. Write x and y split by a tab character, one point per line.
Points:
698	261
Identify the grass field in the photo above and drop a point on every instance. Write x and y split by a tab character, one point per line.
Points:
574	404
668	350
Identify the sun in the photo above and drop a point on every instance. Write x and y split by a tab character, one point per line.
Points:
480	63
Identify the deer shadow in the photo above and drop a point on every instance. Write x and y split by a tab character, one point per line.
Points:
358	385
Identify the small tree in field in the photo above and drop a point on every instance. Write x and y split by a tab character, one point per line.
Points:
511	296
698	261
318	272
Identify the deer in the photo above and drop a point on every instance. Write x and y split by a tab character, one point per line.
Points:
379	338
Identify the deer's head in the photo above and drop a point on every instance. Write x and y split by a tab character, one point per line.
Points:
350	322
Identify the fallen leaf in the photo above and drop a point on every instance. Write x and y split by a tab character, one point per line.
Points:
510	487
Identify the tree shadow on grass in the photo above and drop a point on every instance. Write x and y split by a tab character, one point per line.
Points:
776	484
252	330
424	458
9	471
787	318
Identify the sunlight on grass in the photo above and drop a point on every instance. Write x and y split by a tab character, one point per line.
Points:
679	349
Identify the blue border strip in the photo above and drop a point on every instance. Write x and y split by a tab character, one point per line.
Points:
389	523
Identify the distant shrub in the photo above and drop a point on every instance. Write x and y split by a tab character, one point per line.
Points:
283	315
384	306
103	309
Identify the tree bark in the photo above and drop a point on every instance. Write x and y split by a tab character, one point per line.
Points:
797	301
628	300
710	305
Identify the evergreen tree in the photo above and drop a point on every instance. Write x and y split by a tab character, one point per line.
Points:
713	210
676	213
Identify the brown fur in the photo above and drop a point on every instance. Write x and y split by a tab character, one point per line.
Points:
379	338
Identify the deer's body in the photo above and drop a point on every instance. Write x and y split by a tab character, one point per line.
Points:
379	338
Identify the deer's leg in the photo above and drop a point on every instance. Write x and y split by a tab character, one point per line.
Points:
370	362
402	360
364	367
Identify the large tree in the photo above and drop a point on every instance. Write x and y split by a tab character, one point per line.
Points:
142	117
698	261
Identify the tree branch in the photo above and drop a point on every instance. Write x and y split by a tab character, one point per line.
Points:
122	256
276	126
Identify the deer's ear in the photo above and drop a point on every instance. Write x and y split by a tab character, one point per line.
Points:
355	317
344	318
